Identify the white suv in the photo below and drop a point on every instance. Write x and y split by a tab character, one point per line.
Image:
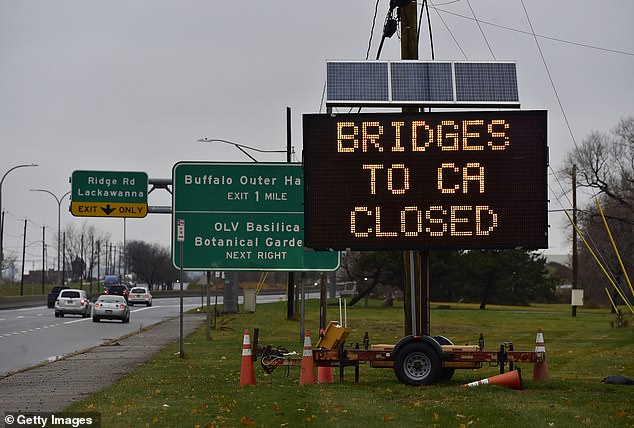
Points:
72	301
140	295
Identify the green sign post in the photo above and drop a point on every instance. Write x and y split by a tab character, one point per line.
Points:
242	216
109	194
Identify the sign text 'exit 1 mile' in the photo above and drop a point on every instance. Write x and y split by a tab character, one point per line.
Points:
109	194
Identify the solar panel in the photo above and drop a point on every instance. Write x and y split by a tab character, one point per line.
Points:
421	83
357	81
486	81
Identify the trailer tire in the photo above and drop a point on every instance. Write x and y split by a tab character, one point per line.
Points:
417	364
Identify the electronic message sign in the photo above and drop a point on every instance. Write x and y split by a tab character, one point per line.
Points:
447	180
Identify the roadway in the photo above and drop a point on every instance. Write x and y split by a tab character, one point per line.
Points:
31	336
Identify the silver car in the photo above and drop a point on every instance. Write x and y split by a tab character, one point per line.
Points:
111	307
72	301
140	295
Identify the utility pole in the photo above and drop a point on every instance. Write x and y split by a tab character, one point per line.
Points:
416	263
98	266
23	260
92	260
574	234
82	263
207	293
409	31
290	288
64	258
43	257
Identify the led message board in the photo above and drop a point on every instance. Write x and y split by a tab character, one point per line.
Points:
450	180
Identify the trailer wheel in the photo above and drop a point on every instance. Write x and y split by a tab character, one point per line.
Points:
417	364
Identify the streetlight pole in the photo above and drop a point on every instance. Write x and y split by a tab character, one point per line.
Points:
2	223
59	219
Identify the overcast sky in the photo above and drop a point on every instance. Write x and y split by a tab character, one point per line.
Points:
131	85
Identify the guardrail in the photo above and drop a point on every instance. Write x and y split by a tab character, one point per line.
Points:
12	302
15	302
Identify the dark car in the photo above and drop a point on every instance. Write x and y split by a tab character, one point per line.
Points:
52	296
117	289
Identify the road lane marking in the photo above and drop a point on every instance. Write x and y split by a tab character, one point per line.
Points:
74	321
142	309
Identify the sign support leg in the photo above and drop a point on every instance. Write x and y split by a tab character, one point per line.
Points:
181	352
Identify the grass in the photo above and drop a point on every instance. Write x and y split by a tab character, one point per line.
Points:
202	389
33	289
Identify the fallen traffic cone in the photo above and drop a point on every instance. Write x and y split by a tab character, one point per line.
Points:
511	379
247	372
324	374
307	372
540	371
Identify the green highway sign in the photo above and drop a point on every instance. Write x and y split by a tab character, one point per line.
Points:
109	194
242	216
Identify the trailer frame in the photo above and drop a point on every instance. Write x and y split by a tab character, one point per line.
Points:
416	360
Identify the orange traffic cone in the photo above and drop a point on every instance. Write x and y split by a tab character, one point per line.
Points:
247	372
307	372
540	371
511	379
324	373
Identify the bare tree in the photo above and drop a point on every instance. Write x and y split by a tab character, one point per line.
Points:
605	166
7	263
605	163
81	248
151	263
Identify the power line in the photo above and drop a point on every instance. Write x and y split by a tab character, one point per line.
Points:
552	82
376	11
425	8
481	30
541	36
449	30
447	2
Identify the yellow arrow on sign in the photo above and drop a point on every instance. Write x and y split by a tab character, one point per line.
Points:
107	209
